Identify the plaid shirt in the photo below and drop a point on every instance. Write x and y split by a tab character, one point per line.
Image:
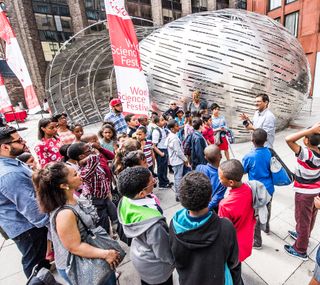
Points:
118	121
95	180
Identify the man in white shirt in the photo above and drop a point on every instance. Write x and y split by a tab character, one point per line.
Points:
263	118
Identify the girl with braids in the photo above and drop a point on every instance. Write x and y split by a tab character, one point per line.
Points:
47	149
55	185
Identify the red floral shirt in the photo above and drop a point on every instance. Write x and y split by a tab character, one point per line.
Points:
47	151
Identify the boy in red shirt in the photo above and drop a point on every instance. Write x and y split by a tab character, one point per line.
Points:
207	130
237	206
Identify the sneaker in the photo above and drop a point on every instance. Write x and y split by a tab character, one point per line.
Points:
257	245
177	199
170	184
293	234
291	251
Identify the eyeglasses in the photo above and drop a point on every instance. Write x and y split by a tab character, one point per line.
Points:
154	181
173	104
19	140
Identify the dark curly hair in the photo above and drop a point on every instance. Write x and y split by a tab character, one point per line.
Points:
133	158
195	191
133	180
111	128
47	183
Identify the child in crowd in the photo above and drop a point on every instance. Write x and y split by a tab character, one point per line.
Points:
132	123
237	206
188	129
219	125
96	178
108	137
66	159
135	158
204	246
158	137
212	154
306	186
143	121
128	145
257	164
198	144
180	120
207	130
77	130
28	159
176	156
65	134
121	138
142	220
146	147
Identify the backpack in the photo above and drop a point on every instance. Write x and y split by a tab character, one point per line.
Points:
230	135
187	145
41	275
160	134
281	174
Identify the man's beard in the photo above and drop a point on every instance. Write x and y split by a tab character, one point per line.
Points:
14	152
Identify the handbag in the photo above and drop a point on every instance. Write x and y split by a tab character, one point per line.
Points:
281	175
93	271
217	138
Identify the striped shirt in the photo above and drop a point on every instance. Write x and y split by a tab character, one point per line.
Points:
307	174
147	150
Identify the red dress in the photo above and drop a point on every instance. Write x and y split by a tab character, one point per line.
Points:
237	207
47	150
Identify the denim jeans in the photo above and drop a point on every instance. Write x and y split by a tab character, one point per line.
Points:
33	246
162	168
178	173
110	281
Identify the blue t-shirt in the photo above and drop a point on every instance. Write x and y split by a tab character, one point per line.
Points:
257	164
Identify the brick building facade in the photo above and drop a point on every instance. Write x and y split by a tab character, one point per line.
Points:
302	18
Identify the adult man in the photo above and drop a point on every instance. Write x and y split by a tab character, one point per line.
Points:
116	117
172	111
263	118
20	217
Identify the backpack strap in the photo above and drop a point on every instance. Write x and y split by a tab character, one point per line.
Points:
160	133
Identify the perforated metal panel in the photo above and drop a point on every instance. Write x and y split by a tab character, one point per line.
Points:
230	55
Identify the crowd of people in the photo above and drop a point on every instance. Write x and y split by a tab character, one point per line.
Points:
79	182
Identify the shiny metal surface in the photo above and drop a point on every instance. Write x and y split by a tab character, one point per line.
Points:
230	56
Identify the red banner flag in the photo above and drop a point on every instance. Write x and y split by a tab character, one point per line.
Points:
17	63
5	103
131	82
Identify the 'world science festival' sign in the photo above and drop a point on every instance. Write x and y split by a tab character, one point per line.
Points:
131	83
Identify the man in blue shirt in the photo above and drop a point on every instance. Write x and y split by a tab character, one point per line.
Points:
213	156
116	117
20	217
257	164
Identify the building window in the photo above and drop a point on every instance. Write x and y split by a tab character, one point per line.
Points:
242	4
290	1
273	4
199	5
291	23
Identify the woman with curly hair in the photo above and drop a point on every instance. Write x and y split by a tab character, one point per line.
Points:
55	185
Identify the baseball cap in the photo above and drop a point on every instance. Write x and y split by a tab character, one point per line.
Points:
5	132
115	102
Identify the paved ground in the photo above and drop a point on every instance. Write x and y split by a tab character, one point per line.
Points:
271	265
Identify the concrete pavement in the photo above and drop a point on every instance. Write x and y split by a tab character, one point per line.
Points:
270	265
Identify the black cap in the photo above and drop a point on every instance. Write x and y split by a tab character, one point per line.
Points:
5	132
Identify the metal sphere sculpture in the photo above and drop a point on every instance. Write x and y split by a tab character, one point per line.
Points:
230	56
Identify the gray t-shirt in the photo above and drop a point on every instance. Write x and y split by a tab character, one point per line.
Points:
89	216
